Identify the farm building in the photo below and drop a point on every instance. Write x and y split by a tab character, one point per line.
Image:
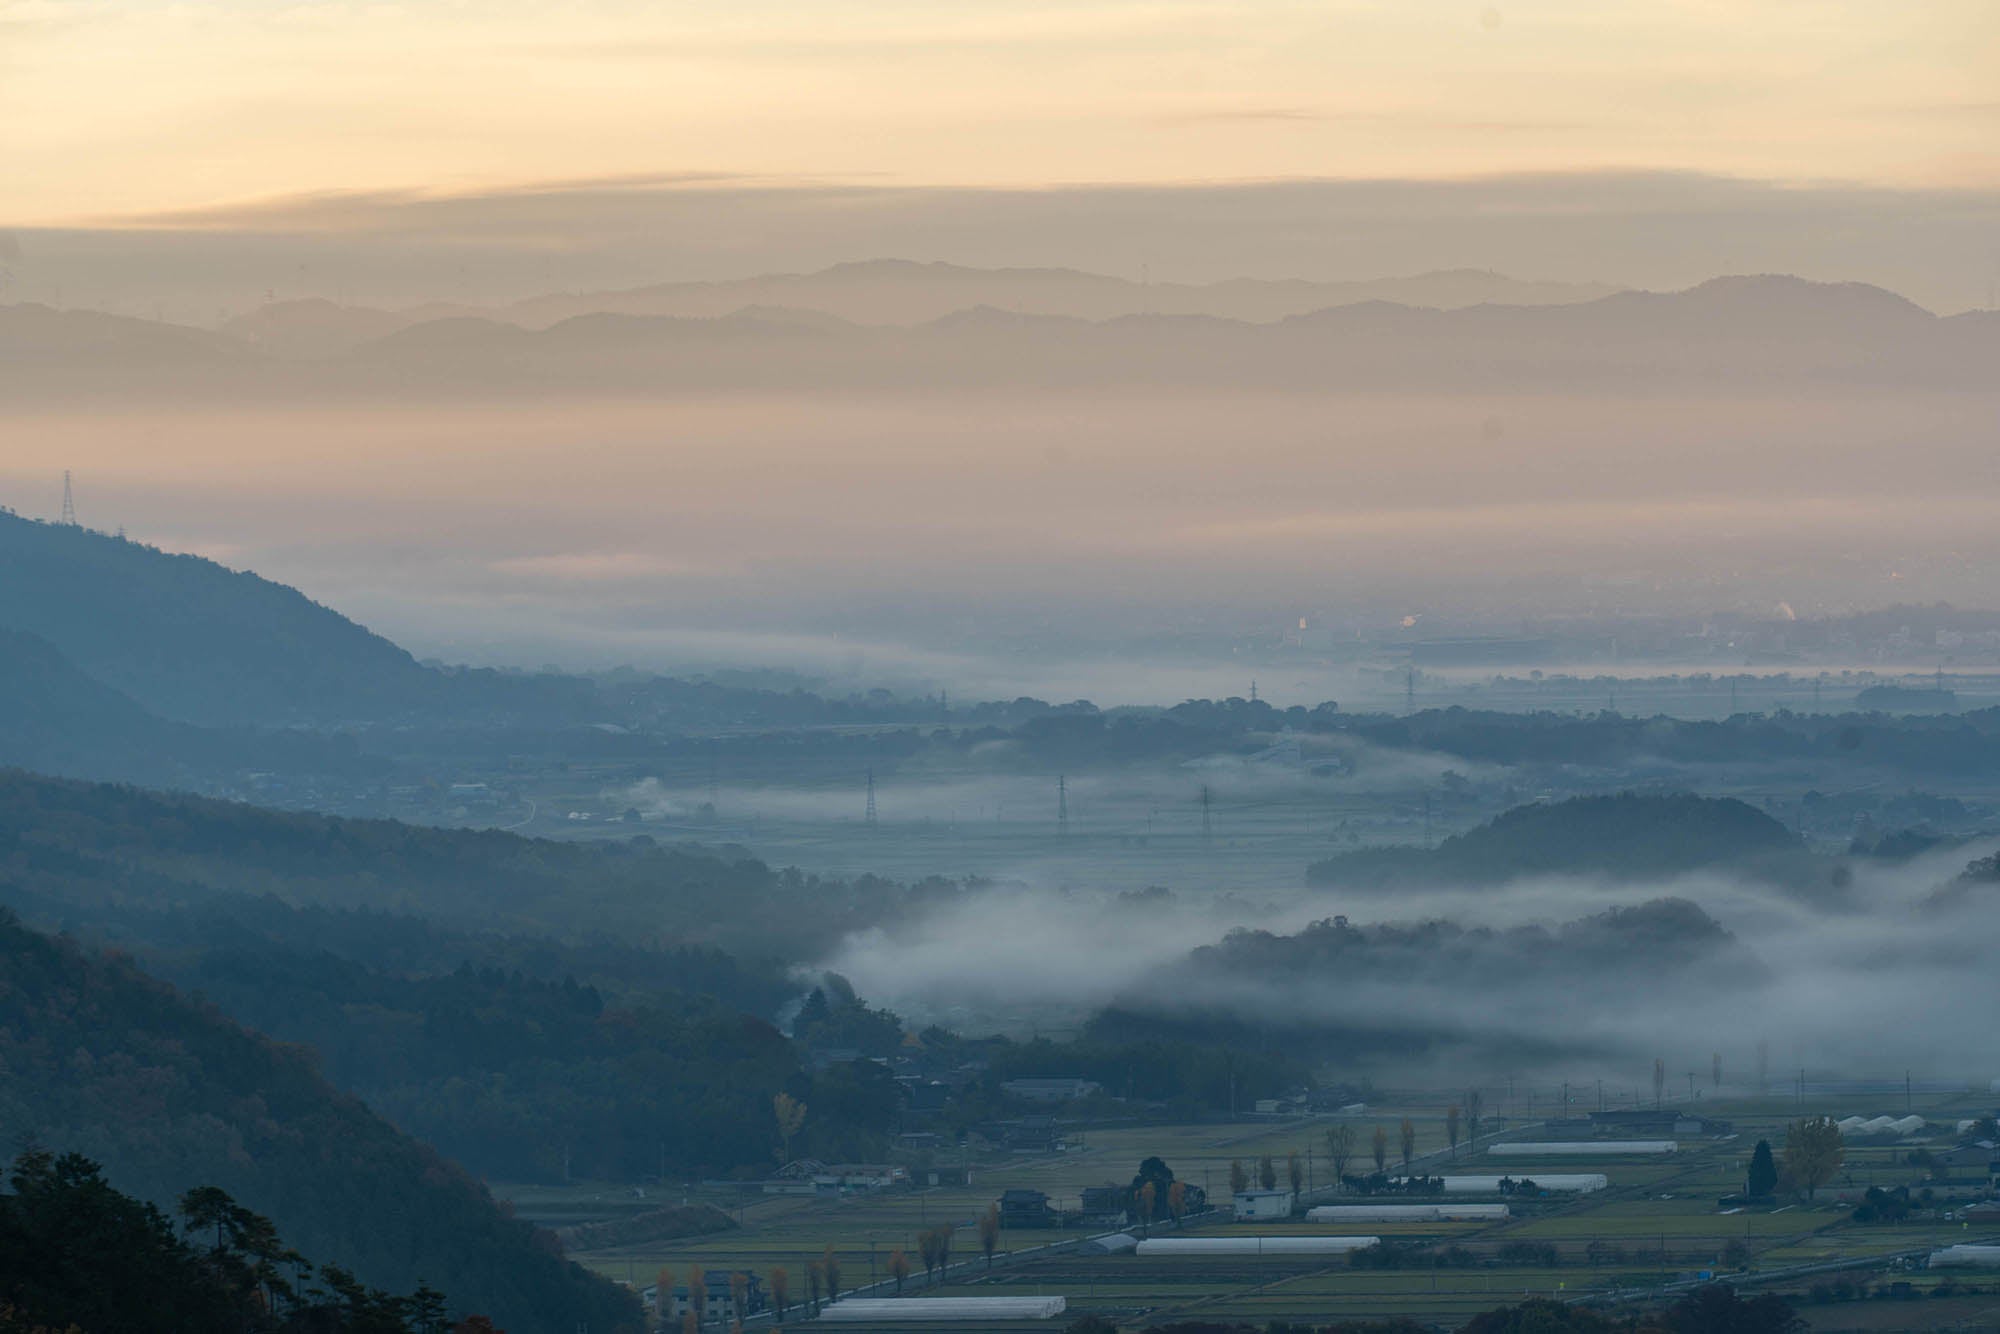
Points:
1263	1204
1025	1208
1217	1248
1965	1256
1049	1090
1660	1124
1408	1213
718	1297
941	1310
1583	1148
1557	1183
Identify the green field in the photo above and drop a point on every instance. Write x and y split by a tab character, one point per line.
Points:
1658	1223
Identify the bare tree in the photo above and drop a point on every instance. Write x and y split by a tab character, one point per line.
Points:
1295	1172
739	1294
1380	1147
697	1295
830	1262
1239	1179
927	1251
1474	1105
815	1283
1451	1127
1406	1140
1339	1149
989	1233
1267	1173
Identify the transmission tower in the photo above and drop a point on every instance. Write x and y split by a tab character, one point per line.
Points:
68	519
1410	690
1062	804
869	818
1207	824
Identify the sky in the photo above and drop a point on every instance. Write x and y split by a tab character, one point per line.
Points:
193	159
140	108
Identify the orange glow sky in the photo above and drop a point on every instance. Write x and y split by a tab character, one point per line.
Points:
120	109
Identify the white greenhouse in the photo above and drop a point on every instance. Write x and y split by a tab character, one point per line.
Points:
1219	1247
940	1310
1966	1256
1408	1213
1582	1148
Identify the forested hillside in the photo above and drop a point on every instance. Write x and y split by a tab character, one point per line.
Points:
1620	836
98	1058
192	640
56	719
378	945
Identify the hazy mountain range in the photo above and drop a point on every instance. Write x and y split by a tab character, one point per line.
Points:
1737	330
900	292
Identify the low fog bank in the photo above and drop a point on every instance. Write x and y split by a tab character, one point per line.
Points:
1868	975
1116	546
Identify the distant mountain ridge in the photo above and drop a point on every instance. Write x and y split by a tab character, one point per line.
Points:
1754	332
903	292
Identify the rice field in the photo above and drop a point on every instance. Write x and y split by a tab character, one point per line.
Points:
1658	1223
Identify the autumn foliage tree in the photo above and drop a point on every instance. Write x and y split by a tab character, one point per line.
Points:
1406	1137
1379	1147
781	1290
989	1233
1267	1173
663	1296
1814	1152
899	1268
1239	1179
829	1263
791	1116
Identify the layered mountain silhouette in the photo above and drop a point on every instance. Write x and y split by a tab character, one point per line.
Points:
1738	331
899	292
